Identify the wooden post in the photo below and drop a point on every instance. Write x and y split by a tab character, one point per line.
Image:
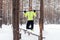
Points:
1	1
41	19
15	19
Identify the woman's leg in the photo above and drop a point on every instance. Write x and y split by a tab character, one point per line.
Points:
27	25
32	25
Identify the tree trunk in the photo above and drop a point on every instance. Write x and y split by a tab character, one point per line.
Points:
1	13
41	19
15	19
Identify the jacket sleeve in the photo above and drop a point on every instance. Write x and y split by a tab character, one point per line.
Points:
25	14
34	14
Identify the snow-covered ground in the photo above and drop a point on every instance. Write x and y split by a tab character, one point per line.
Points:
6	32
50	32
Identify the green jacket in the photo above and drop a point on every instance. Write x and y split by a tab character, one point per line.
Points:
30	15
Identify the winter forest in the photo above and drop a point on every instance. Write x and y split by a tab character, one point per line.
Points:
51	11
13	22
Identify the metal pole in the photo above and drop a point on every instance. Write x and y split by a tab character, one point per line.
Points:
15	19
41	19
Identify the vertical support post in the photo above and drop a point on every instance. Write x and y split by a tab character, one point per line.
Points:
30	4
41	19
15	19
1	2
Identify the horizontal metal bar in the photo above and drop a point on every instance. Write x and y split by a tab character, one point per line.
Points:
31	10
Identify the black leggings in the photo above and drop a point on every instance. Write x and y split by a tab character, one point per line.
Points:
31	22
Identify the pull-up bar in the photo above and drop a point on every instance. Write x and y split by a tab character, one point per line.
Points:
31	10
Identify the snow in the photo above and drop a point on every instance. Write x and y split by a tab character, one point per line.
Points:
6	32
50	32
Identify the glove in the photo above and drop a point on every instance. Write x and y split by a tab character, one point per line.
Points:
24	11
34	10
